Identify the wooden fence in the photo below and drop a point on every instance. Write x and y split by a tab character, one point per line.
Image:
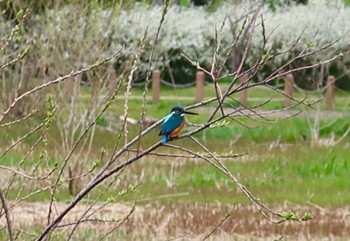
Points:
243	98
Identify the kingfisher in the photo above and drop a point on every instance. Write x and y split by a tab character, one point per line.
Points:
173	123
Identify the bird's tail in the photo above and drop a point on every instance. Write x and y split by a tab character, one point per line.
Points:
165	139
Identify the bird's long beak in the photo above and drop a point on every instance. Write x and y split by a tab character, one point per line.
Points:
189	112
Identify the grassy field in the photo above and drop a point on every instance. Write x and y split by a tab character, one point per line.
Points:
274	163
278	162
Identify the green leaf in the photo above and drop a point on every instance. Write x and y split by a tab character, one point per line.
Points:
292	216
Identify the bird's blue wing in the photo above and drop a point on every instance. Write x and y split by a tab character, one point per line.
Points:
171	122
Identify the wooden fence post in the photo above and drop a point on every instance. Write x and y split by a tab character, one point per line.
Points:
199	86
243	98
330	92
155	86
288	89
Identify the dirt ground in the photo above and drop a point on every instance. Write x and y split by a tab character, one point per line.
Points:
189	221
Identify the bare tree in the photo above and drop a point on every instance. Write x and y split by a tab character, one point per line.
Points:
76	144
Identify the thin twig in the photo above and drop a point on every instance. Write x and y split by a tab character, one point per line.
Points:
148	75
7	215
171	155
120	223
56	81
261	207
219	224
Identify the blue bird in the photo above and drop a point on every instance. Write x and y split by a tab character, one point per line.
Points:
173	123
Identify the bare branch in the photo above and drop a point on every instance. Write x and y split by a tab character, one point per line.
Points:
219	224
7	215
56	81
150	61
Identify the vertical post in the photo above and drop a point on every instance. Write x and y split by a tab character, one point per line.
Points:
155	86
199	86
243	98
330	92
288	89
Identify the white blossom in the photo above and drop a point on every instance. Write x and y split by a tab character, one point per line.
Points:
192	29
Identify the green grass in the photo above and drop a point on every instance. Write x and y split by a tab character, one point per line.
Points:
299	175
295	172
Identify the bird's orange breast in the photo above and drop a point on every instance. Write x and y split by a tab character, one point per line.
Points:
176	131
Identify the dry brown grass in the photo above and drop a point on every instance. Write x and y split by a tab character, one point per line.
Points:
191	222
